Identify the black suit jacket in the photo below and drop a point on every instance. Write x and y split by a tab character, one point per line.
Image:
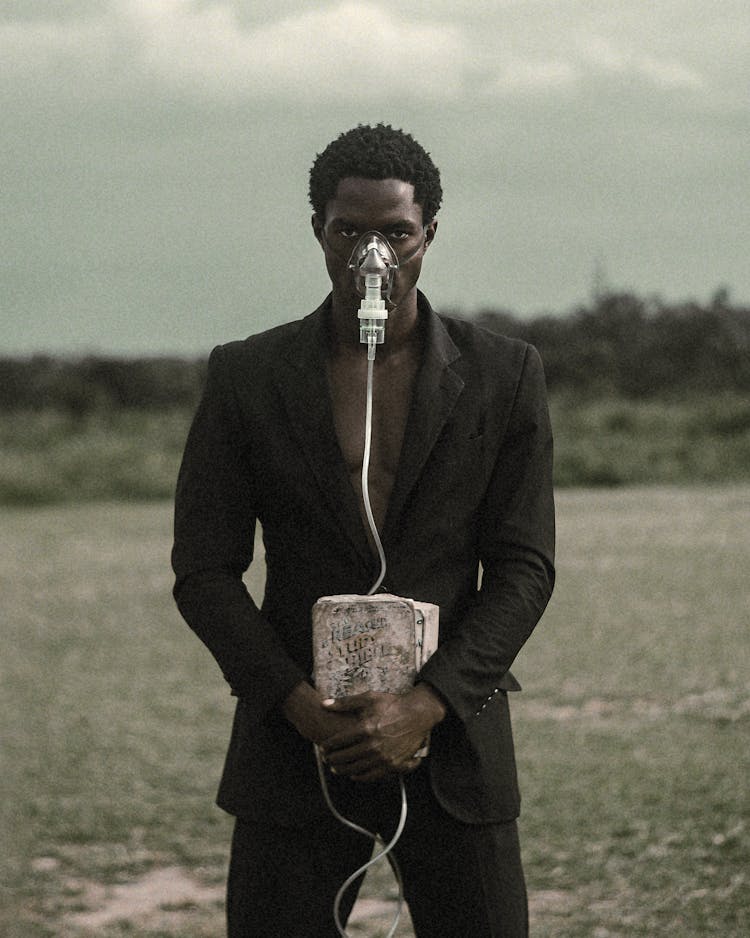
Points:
473	487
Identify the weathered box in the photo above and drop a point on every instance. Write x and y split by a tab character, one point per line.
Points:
374	643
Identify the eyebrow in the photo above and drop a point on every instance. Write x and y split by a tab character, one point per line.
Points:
390	226
403	223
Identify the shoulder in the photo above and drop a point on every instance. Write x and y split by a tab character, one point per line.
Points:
482	349
263	346
469	336
259	355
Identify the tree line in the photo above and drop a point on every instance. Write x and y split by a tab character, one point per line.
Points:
631	347
620	344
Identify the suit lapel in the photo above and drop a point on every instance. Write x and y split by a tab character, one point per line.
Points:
303	384
436	391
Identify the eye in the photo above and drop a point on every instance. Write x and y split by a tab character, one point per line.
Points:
349	233
399	235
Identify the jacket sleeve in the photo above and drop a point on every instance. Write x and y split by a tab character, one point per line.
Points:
214	531
516	547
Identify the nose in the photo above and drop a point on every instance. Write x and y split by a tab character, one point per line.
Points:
373	262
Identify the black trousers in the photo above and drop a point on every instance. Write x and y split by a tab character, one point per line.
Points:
460	880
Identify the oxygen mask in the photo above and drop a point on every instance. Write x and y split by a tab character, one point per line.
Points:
374	264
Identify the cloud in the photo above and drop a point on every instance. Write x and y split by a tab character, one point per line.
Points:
341	52
350	51
516	74
619	58
336	52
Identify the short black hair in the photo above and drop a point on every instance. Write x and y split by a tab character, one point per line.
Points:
378	152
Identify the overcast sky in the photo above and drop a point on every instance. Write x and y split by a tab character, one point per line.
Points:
155	153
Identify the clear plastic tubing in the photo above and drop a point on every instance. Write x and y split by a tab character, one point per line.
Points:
366	469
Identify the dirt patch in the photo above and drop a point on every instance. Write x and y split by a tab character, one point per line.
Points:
164	896
160	891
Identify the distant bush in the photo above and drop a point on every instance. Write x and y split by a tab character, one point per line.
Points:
630	347
96	384
640	392
620	345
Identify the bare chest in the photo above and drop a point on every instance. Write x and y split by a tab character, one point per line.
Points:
392	391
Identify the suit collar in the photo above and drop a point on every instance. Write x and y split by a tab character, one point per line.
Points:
303	384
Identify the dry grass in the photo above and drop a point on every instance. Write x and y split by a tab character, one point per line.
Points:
632	732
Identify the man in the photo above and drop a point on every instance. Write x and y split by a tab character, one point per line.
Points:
460	474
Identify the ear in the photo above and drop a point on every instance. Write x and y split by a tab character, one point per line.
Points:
429	233
317	227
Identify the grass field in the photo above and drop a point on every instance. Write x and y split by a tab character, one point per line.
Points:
633	731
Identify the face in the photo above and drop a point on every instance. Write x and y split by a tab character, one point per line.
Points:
384	205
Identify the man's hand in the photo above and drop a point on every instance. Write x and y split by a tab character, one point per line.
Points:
305	711
385	735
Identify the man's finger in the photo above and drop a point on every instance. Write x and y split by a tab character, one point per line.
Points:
344	704
340	751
